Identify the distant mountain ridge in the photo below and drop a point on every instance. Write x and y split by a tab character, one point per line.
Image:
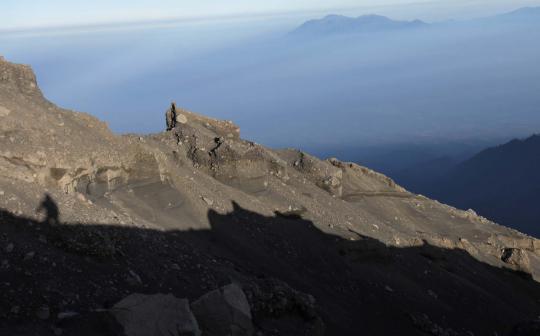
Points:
501	183
339	24
522	13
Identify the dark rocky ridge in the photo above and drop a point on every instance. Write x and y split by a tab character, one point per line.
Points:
499	182
315	245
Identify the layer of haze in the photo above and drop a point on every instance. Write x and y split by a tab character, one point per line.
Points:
17	14
454	82
31	13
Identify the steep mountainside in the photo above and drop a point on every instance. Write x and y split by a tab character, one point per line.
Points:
316	246
501	183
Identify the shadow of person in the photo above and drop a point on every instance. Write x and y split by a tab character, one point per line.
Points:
52	213
293	273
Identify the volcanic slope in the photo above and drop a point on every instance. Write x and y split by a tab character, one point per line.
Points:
318	246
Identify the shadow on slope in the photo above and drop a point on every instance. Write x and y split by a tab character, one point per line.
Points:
360	286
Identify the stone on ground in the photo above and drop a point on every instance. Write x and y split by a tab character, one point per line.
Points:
155	315
224	311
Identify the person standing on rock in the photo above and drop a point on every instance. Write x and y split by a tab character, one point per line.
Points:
170	117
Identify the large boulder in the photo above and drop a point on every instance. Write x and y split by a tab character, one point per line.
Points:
224	311
155	315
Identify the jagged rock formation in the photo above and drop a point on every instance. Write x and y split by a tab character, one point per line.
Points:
319	246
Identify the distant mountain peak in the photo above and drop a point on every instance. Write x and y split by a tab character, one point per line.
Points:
340	24
526	10
335	17
373	17
522	13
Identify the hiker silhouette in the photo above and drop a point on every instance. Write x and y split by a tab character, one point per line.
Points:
49	206
170	117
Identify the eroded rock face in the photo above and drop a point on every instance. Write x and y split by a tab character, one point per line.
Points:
46	145
155	315
18	77
323	173
517	258
214	147
224	311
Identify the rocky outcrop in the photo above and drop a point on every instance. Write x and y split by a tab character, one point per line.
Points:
324	174
18	79
517	259
156	315
224	311
41	143
214	147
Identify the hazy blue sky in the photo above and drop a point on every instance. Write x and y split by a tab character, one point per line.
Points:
32	12
38	13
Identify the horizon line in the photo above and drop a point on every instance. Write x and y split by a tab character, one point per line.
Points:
143	22
190	19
